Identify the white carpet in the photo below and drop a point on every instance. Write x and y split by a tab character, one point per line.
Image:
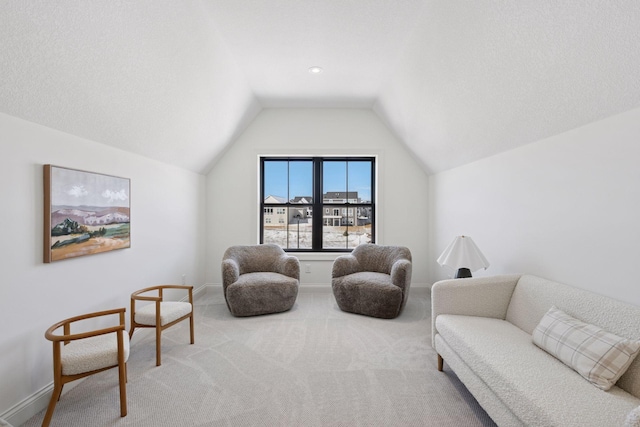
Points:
312	366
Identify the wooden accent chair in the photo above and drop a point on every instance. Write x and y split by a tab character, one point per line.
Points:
162	313
82	354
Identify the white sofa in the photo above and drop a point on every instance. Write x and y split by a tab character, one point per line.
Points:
482	329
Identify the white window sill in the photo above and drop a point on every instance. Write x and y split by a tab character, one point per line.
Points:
317	256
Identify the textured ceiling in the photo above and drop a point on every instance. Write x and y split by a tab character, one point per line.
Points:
481	77
455	80
357	43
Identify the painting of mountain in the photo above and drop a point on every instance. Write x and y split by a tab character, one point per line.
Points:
85	213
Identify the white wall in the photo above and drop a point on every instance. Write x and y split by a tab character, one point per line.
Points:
167	240
233	194
566	208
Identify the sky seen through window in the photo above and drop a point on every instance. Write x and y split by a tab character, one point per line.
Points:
300	178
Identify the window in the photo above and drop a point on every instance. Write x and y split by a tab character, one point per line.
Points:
341	187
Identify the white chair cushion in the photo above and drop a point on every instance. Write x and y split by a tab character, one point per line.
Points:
90	354
169	311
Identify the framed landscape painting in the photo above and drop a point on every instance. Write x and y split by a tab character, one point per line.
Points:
84	213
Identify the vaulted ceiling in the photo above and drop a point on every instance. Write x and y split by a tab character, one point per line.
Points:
455	80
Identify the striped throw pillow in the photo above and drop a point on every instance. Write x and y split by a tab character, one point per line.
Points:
599	356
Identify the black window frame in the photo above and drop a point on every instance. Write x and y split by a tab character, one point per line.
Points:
318	205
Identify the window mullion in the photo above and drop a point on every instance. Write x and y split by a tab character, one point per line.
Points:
318	215
288	203
262	197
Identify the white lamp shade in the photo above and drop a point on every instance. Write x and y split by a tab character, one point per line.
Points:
463	253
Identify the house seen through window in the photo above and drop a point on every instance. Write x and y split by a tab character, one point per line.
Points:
341	188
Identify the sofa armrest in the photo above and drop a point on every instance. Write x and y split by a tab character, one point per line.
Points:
289	266
344	265
481	296
230	272
401	274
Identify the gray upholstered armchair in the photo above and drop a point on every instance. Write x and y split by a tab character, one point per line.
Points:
373	280
259	279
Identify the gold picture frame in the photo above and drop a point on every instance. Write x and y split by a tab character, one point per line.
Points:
85	213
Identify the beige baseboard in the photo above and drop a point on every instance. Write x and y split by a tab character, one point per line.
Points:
304	287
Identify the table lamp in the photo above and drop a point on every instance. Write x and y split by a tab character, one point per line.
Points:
463	256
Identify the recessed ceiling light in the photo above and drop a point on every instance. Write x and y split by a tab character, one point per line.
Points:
315	70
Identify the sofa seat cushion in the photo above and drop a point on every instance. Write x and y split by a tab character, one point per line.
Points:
261	293
538	388
369	293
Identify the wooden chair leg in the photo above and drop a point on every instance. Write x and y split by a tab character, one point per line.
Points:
122	373
133	318
158	345
440	363
57	391
191	326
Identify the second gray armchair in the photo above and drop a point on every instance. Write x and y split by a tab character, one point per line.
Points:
373	280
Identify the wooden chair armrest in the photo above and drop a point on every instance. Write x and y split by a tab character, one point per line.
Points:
136	296
185	287
66	324
145	298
